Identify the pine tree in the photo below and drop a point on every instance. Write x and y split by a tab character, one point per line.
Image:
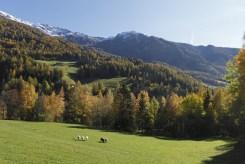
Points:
193	115
161	115
154	108
145	116
78	108
207	100
124	109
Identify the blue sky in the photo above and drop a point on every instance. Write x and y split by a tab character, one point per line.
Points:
201	22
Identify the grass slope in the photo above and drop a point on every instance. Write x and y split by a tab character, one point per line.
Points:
109	83
70	68
32	142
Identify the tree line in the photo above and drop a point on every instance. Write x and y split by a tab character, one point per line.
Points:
195	115
157	79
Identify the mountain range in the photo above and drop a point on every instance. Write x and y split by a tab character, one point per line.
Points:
30	54
206	63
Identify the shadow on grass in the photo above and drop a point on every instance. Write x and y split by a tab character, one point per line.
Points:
234	153
100	129
120	132
160	137
207	139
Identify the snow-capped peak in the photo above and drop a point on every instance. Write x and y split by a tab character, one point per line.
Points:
126	35
55	31
11	17
50	30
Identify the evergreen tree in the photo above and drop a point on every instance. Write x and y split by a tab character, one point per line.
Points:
162	113
154	108
193	116
50	107
206	101
173	109
145	117
78	108
124	107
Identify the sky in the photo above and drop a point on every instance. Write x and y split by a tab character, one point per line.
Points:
199	22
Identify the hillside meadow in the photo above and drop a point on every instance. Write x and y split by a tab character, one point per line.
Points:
42	142
70	69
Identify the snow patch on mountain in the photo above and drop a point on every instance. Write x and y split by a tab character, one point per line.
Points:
69	35
50	30
11	17
53	31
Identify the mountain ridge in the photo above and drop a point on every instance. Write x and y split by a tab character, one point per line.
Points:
20	42
203	62
208	61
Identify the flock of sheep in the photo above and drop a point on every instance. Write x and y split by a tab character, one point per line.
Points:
85	138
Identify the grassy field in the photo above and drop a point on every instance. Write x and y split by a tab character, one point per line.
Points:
109	83
70	68
39	142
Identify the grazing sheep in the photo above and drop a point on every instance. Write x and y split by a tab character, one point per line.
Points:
103	140
81	138
78	138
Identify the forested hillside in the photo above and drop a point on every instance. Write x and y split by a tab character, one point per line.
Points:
206	63
153	98
158	79
20	39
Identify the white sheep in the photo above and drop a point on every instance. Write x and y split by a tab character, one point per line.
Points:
78	138
81	138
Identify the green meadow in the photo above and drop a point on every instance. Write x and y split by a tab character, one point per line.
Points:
70	68
42	142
